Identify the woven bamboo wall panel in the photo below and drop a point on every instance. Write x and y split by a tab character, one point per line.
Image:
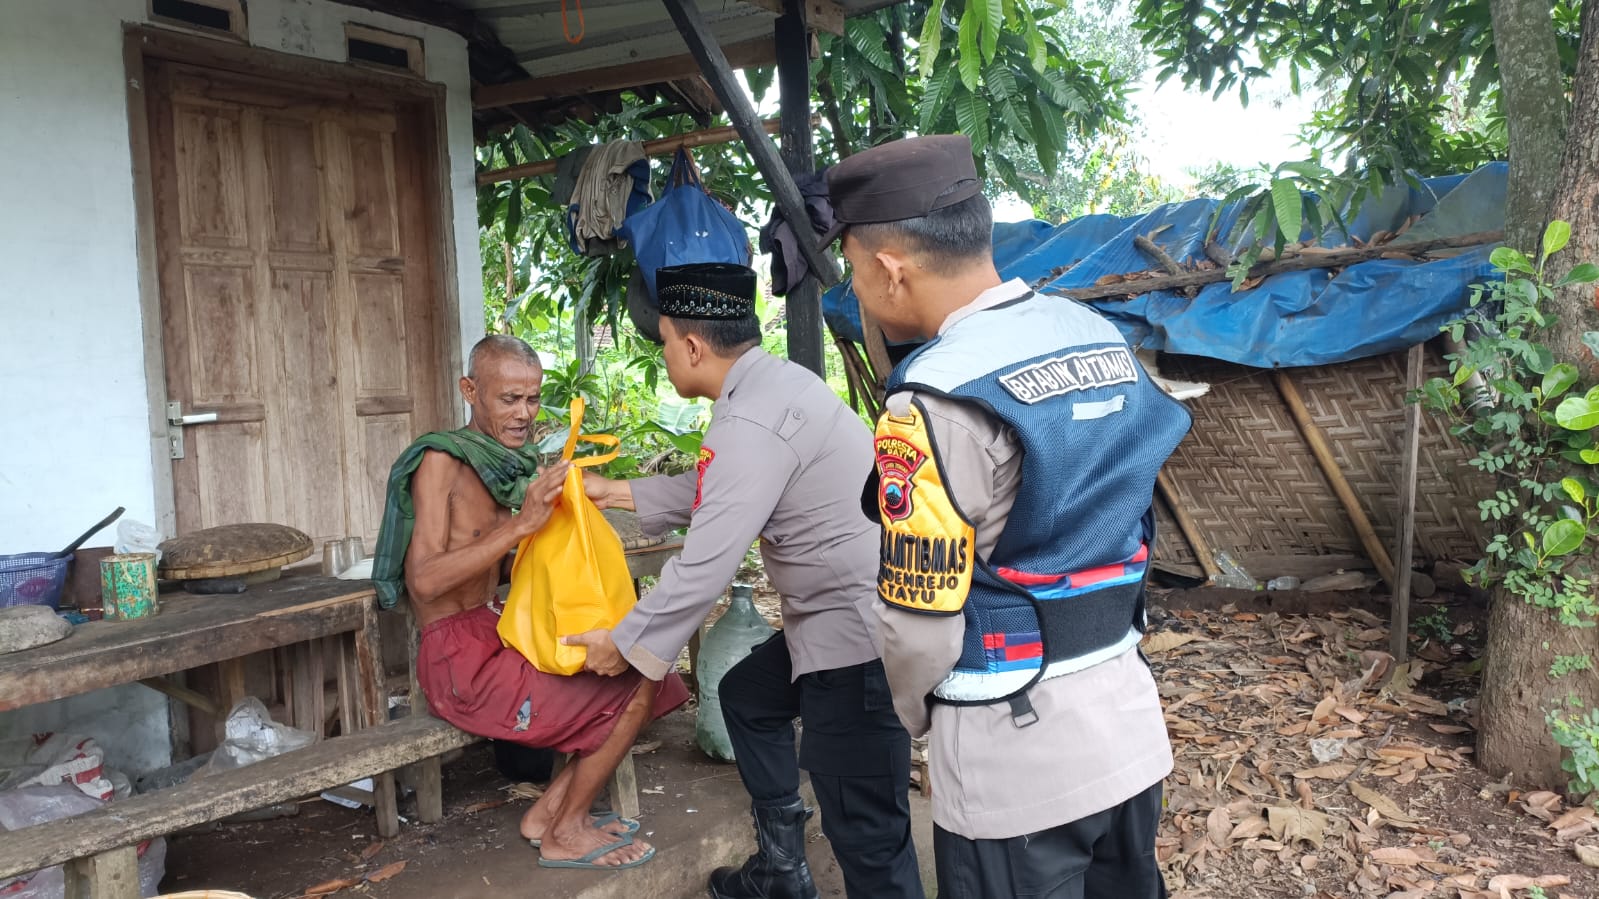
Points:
1252	485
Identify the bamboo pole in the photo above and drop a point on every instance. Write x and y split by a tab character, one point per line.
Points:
1399	624
1317	441
1187	524
664	146
1310	258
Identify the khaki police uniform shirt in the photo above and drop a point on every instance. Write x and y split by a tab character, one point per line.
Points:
783	460
1100	738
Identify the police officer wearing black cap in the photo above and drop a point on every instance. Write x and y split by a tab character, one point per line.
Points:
1016	463
783	461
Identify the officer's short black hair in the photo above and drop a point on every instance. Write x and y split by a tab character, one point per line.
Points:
946	240
725	336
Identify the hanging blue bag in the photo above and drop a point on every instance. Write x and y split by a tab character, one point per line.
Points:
685	225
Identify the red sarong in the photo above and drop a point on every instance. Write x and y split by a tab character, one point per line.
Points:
483	687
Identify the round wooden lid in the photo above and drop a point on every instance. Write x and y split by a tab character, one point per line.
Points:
232	549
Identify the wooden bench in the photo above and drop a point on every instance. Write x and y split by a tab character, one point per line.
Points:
99	847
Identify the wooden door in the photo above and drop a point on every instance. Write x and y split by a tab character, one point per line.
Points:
298	296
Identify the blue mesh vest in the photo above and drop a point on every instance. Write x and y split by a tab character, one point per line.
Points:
1063	588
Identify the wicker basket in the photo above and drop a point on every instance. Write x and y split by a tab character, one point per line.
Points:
32	579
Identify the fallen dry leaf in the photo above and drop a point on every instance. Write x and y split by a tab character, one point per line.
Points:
1588	855
1165	641
1384	806
646	747
1395	855
1450	728
387	871
1290	823
1248	829
1336	771
371	850
1521	882
1218	826
476	807
333	886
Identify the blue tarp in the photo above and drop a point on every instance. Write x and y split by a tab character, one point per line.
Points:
1291	319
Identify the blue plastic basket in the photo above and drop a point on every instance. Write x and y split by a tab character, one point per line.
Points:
32	579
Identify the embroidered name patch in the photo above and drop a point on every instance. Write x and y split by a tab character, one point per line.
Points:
706	455
1074	371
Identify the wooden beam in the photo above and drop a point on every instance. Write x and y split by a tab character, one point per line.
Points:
193	698
805	326
664	146
109	875
1317	441
1187	524
1301	261
1399	614
821	15
757	52
739	109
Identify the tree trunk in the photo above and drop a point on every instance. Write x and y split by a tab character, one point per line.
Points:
1523	640
1517	691
1535	108
1576	201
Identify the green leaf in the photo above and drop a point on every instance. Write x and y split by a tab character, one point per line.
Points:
1290	209
1590	456
868	39
932	36
1573	488
1463	374
1037	54
934	100
1584	273
1510	260
993	27
1563	537
1559	379
1555	237
969	60
1576	413
972	114
1001	83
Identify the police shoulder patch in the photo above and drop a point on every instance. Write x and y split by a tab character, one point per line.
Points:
927	546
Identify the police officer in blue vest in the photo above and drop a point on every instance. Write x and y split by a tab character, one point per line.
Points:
1016	463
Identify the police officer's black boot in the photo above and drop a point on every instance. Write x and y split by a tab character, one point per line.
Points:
777	870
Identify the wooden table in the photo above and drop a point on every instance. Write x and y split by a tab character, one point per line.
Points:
296	612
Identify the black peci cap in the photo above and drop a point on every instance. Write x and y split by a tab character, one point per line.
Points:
902	179
706	290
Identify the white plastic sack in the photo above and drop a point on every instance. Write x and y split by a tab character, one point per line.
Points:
39	804
251	736
46	759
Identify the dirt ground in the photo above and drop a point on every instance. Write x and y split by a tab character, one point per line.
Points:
1308	764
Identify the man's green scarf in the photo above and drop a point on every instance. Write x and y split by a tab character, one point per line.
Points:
505	472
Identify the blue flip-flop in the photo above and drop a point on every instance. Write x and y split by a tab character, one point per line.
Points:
630	826
587	862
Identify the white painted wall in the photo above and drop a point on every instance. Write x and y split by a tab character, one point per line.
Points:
74	397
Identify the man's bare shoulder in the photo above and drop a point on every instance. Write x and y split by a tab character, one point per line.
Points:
441	474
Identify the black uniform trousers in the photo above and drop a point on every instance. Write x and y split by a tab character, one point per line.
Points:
852	744
1109	855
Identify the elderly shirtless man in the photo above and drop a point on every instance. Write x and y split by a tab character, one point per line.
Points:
463	488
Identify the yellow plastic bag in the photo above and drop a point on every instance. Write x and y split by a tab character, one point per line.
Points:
572	575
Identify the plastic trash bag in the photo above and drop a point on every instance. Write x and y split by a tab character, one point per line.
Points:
250	736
